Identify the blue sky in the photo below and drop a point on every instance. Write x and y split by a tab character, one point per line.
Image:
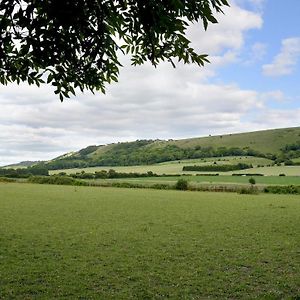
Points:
280	22
251	84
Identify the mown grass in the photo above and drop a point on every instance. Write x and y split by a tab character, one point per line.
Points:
63	242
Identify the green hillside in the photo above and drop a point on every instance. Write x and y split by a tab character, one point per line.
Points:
266	141
22	164
279	145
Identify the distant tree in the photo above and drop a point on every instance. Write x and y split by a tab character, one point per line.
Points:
74	43
252	181
181	184
288	162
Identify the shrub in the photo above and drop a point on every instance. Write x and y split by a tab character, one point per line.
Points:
281	174
290	189
181	184
216	168
252	181
251	191
60	180
4	179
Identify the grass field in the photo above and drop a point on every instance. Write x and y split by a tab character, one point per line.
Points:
60	242
266	141
274	171
260	180
173	168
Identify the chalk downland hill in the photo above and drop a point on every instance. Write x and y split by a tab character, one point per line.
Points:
273	144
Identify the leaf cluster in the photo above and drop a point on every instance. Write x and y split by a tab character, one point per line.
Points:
75	43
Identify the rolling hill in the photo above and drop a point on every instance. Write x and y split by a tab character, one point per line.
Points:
277	144
22	164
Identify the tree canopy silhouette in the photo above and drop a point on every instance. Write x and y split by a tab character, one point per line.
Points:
75	43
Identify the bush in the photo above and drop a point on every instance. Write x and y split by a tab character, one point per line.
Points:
252	181
60	180
290	189
217	168
4	179
251	191
281	174
181	184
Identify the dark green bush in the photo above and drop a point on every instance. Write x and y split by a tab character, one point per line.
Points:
59	180
252	180
277	189
182	185
217	168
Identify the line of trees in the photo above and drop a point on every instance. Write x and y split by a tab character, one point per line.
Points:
217	168
103	174
24	172
142	153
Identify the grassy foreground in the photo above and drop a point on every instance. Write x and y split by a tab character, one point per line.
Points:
101	243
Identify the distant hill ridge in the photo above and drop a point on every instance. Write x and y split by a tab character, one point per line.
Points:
276	144
23	164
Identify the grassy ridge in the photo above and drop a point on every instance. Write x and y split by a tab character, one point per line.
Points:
78	242
268	143
265	141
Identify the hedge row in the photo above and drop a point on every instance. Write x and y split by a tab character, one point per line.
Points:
217	168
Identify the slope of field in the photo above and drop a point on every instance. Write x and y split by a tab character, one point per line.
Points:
268	143
59	242
265	141
22	164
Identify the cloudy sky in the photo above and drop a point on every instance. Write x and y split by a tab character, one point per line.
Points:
252	83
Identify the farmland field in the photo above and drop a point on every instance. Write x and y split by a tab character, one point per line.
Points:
101	243
174	167
260	180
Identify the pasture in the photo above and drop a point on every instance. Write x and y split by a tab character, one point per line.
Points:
71	242
174	167
197	180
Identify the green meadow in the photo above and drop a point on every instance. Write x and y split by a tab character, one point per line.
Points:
175	167
66	242
260	180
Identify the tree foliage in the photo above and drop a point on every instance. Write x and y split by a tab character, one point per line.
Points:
75	43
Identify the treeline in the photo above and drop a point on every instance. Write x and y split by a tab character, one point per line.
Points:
289	189
111	174
144	153
289	152
217	168
58	180
24	172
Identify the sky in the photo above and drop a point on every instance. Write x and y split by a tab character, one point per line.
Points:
252	83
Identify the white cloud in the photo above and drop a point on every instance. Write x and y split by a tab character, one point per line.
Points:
276	95
257	53
286	60
278	118
228	33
